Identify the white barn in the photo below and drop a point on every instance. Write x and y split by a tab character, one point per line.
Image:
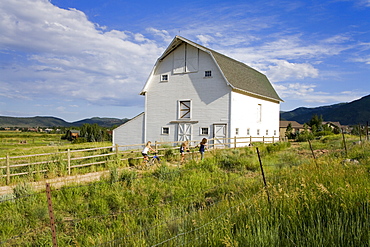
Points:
195	92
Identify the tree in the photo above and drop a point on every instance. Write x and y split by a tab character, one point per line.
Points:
315	123
289	132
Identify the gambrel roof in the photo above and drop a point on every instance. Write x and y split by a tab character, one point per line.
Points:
238	75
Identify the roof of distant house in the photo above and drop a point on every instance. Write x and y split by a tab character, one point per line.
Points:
294	124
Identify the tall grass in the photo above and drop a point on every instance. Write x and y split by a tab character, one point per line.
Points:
219	201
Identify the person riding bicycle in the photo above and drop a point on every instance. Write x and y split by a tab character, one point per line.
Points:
145	151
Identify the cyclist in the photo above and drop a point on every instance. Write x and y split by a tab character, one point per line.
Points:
145	151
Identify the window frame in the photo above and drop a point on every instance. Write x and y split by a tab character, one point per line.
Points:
162	77
182	109
163	132
201	131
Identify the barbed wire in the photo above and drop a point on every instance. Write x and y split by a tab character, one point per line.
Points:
154	205
23	234
180	217
206	224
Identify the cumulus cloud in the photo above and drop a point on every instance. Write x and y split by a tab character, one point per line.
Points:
69	55
283	70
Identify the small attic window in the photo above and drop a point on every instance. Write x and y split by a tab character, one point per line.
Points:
208	73
164	77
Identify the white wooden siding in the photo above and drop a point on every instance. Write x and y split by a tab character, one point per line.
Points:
130	132
245	115
209	98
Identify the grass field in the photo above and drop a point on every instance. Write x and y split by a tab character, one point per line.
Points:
220	201
22	143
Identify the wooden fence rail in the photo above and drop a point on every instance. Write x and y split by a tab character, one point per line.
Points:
67	160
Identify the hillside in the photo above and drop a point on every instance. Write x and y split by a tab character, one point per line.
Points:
352	113
56	122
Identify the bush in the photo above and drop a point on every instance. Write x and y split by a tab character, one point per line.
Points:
304	136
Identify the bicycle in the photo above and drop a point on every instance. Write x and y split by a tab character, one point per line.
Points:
153	161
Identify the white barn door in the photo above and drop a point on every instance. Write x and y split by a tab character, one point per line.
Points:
219	133
184	132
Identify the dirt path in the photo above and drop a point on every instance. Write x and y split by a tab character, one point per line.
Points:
58	182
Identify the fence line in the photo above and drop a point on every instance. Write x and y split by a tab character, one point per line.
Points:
67	160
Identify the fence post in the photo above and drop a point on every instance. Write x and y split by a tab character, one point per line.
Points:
263	139
69	161
117	152
263	176
7	169
313	153
51	215
155	146
273	139
250	140
344	142
234	142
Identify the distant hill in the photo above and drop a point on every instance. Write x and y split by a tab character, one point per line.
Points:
352	113
56	122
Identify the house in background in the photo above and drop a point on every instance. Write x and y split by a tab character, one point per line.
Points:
296	127
194	92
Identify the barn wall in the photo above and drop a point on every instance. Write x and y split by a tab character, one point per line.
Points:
130	132
254	114
209	97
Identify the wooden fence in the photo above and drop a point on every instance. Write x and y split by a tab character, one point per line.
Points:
61	163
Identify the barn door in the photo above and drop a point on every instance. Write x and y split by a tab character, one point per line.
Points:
184	132
219	133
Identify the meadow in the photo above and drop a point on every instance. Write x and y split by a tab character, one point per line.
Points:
313	197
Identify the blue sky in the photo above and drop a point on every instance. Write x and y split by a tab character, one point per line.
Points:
76	59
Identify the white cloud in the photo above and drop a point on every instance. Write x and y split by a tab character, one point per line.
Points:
282	70
69	56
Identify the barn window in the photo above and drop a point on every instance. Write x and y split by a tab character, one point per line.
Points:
248	132
258	132
165	130
274	132
208	73
204	131
236	131
267	132
259	113
164	77
184	109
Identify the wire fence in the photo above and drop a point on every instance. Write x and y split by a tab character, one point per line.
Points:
185	216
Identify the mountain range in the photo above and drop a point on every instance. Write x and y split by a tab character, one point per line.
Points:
22	122
352	113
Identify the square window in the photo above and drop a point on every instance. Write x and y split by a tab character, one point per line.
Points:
267	132
165	130
204	131
164	77
208	73
258	132
248	132
274	132
236	131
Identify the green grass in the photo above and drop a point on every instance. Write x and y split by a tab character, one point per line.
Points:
220	201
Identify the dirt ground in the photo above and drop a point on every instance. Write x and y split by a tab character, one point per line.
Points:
58	182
